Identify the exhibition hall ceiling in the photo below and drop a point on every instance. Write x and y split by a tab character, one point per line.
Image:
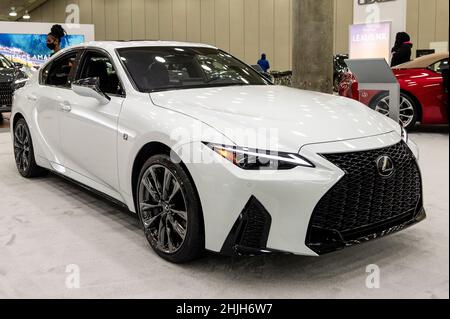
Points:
20	7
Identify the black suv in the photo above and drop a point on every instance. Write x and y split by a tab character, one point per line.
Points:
11	78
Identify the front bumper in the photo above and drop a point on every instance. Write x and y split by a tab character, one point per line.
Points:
284	202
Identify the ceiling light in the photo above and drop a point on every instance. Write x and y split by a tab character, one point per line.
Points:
26	16
13	12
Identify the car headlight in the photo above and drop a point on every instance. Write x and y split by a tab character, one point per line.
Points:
252	159
19	83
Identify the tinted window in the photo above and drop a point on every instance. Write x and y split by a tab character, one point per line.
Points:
97	65
60	71
162	68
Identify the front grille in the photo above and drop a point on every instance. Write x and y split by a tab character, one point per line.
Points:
6	94
363	200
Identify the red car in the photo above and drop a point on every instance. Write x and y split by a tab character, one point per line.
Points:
424	96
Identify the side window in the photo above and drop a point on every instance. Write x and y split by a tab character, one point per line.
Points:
60	71
98	65
438	66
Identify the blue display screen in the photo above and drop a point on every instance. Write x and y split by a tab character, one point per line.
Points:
31	49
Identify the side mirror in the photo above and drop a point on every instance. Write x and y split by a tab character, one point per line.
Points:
90	87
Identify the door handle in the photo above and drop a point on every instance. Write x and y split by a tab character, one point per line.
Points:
32	97
65	107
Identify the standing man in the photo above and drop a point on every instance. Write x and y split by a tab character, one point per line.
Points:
264	63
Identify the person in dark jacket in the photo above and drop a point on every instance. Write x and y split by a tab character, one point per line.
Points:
264	63
401	52
54	38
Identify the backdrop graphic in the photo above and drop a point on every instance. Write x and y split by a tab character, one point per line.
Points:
25	42
31	49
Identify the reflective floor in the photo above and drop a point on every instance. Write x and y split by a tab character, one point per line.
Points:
49	228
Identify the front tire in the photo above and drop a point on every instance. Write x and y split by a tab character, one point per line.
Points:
409	110
24	152
169	210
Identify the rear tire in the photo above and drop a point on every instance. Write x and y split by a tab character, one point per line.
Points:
24	152
169	210
409	110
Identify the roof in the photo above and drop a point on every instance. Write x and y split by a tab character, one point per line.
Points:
111	45
424	61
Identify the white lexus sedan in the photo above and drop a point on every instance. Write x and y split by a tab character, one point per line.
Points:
210	155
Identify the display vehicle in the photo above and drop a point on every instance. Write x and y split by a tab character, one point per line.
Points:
166	129
11	78
423	95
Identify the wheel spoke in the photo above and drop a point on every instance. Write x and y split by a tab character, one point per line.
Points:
17	135
161	232
178	229
166	183
146	206
179	213
25	161
148	222
148	185
155	181
175	190
25	142
20	161
169	238
405	119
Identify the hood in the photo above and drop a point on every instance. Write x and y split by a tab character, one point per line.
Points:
295	117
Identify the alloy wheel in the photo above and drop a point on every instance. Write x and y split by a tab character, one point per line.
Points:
163	209
22	147
406	109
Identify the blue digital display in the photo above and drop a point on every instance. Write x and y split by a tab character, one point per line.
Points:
31	49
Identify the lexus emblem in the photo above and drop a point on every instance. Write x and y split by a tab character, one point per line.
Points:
367	2
385	166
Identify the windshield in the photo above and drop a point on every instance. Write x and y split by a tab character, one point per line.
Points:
169	68
4	63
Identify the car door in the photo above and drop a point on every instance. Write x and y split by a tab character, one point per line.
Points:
435	95
89	128
54	88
